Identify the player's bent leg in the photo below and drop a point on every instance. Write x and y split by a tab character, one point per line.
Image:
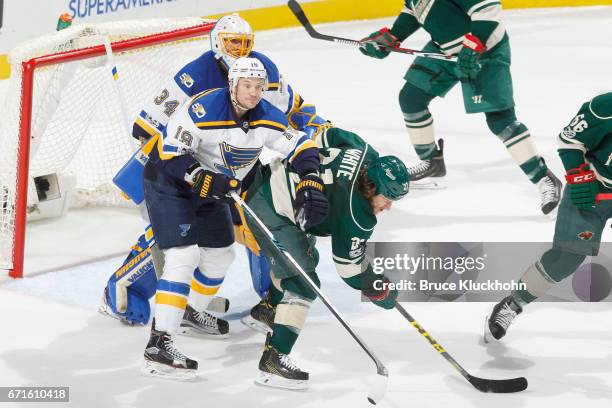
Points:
414	103
275	366
553	267
206	281
517	139
162	358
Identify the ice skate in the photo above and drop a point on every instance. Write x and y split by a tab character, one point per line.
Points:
429	174
162	359
261	317
500	319
203	324
279	371
550	189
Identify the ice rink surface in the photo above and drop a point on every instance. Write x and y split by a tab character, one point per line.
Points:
52	335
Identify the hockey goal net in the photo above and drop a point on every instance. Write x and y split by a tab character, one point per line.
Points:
66	123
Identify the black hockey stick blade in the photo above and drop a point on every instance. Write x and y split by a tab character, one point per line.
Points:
498	386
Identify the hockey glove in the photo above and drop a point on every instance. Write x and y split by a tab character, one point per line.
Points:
582	186
311	204
371	45
378	292
208	184
468	57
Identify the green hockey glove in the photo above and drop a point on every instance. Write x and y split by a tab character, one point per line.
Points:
582	186
371	45
376	288
469	56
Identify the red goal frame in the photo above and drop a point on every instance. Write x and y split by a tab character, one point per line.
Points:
25	117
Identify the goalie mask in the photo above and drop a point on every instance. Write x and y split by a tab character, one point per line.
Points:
231	38
390	176
245	68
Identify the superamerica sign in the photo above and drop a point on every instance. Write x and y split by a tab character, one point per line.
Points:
88	8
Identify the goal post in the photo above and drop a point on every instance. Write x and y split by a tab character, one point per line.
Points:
64	119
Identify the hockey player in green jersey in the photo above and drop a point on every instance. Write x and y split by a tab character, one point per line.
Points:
472	30
586	152
359	184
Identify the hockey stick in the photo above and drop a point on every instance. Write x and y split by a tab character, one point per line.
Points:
481	384
378	388
297	10
603	196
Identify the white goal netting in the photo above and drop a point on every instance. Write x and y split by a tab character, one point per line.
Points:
81	117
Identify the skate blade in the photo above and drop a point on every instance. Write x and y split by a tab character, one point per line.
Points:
193	332
487	335
255	324
429	183
275	381
158	370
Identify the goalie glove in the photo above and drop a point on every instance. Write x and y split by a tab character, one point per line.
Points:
311	205
373	45
468	57
582	185
208	184
307	120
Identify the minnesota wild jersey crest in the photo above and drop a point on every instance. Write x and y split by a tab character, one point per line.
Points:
235	158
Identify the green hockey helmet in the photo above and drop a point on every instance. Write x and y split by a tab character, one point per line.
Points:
390	176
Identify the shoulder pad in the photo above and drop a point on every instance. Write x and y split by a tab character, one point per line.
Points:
601	106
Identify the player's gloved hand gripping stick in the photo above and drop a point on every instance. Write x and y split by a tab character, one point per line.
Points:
296	9
378	388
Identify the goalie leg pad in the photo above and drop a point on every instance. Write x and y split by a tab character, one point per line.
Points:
260	273
129	289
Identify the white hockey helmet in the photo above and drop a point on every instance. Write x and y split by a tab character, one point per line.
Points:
245	68
231	38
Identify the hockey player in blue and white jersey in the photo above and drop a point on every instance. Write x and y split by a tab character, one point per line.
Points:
206	150
232	37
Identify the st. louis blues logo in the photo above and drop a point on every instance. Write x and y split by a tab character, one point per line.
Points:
235	158
184	229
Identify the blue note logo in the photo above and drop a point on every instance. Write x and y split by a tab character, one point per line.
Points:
184	229
235	158
198	110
